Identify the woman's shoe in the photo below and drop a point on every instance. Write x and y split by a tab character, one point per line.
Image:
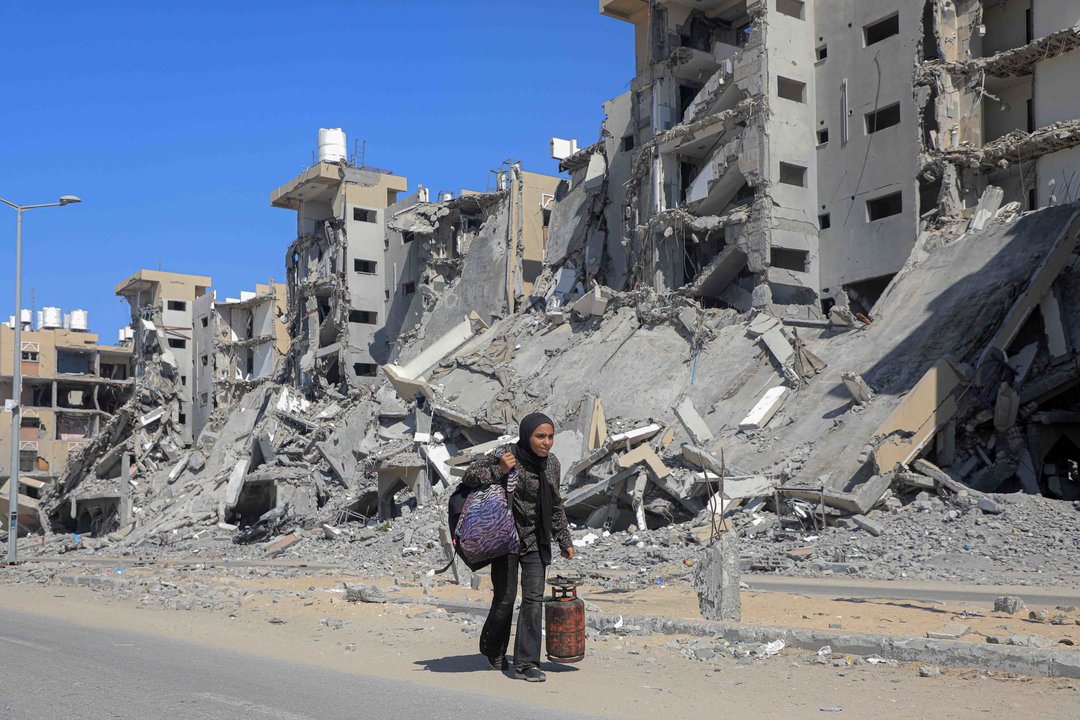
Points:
530	673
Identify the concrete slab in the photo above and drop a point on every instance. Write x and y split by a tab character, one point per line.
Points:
692	422
760	415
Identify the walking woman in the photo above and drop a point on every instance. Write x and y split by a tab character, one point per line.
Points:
539	516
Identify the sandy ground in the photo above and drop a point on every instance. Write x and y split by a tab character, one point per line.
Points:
621	677
908	618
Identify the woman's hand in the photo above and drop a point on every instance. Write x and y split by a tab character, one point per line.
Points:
507	462
568	552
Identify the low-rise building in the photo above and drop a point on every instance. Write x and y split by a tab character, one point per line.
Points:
71	386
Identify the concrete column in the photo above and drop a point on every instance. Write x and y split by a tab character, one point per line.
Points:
717	580
946	445
1055	331
125	489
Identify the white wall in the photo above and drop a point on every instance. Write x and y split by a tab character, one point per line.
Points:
869	166
1006	26
997	122
1052	15
366	292
1055	89
790	46
1064	168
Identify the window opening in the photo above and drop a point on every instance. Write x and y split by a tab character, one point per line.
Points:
790	89
886	117
364	317
364	215
788	259
882	29
791	8
792	174
365	369
884	207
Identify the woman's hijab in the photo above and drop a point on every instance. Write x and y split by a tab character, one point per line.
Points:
523	450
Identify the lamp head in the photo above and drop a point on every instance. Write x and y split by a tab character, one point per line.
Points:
70	199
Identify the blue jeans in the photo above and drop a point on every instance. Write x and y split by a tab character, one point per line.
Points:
495	637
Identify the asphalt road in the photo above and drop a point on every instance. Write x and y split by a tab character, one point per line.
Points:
52	669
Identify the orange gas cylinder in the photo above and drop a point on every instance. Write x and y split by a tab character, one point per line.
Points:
565	615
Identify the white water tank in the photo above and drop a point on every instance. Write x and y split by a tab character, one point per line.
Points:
25	317
332	147
52	318
80	320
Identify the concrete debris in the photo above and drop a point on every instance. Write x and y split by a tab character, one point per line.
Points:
693	424
1010	604
988	206
763	411
365	594
857	387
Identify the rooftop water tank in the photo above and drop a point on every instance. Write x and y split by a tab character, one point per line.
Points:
51	318
25	317
332	145
80	320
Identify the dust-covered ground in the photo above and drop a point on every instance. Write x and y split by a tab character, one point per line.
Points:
301	615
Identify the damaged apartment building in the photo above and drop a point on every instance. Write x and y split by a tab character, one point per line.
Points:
71	387
790	153
366	263
198	350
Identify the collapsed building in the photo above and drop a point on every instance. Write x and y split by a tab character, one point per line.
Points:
798	149
365	264
779	286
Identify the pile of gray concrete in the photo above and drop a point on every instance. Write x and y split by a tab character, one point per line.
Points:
675	422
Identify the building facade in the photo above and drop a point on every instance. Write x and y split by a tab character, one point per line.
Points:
72	385
804	146
163	319
242	340
348	270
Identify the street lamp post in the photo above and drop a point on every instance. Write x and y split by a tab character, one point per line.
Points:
16	384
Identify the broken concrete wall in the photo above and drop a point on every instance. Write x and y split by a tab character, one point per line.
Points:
479	288
204	337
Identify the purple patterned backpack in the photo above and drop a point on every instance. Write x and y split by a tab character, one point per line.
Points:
486	529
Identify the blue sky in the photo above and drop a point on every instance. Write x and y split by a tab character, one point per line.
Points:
174	122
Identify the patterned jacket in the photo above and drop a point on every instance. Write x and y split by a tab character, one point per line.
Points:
526	501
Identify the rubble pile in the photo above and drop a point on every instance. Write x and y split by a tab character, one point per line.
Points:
674	422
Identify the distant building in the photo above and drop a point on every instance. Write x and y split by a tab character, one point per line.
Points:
347	268
802	147
242	341
72	385
162	315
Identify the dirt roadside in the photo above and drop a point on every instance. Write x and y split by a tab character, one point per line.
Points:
305	619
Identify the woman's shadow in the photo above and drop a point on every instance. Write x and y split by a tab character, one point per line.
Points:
478	663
